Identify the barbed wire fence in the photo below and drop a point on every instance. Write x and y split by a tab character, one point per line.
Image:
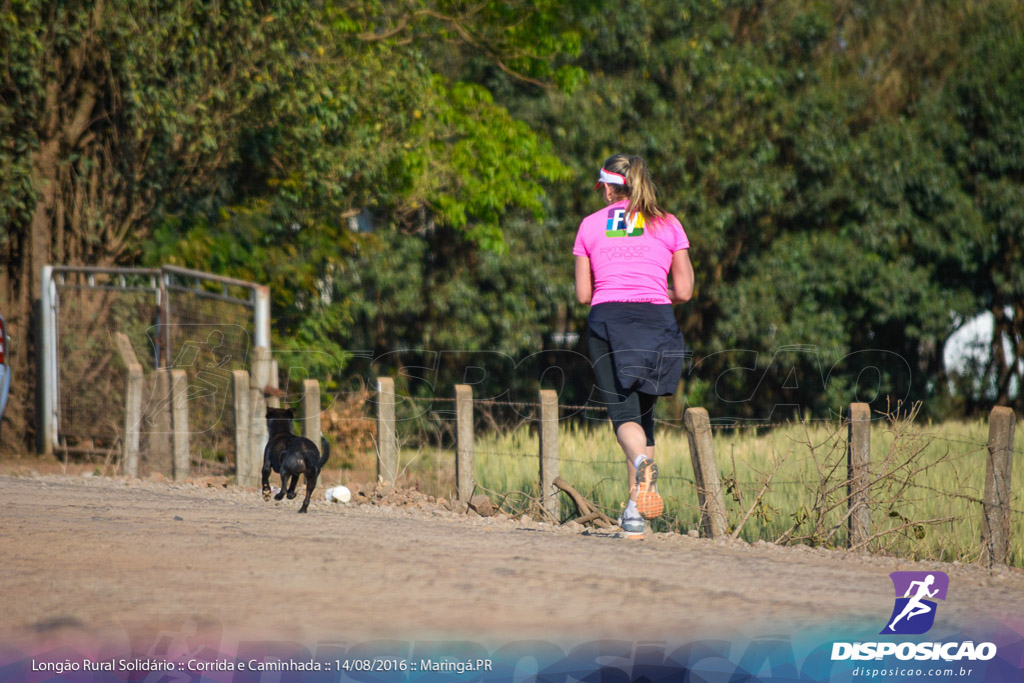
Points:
923	491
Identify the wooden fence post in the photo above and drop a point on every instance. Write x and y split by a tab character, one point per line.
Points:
465	480
243	467
179	424
858	472
995	529
387	438
549	450
705	471
311	410
132	406
259	380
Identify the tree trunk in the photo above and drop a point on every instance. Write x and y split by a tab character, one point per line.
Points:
21	413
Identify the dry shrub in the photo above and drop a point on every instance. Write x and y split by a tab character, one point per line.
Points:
352	429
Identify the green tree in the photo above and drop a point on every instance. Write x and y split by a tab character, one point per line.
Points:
977	120
116	117
110	109
799	146
381	132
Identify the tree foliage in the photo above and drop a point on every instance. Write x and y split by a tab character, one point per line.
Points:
244	128
409	175
825	161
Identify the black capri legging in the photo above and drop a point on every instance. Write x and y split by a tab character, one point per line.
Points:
623	406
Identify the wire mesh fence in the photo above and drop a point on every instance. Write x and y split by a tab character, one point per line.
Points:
93	306
173	318
210	334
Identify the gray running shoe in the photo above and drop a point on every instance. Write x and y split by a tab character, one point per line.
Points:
632	525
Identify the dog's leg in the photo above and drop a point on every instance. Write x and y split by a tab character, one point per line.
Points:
284	485
266	476
291	489
310	485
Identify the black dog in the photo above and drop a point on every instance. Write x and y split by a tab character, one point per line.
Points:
291	455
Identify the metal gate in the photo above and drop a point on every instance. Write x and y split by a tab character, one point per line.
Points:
175	318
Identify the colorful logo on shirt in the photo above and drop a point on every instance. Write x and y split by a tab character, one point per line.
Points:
619	225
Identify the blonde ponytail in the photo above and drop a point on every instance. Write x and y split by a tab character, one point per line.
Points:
643	196
640	189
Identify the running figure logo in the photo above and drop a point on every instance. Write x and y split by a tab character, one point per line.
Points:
914	612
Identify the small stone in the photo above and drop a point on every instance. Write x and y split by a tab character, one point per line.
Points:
178	519
693	533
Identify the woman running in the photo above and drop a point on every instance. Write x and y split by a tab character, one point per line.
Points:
624	255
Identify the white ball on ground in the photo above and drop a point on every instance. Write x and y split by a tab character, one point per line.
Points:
338	494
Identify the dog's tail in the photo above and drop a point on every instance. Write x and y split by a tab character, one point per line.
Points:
325	451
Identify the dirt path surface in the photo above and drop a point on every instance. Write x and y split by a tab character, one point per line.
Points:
97	553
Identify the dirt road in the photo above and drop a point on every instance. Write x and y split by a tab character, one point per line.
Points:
99	554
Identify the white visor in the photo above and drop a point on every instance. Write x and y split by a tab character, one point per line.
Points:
610	178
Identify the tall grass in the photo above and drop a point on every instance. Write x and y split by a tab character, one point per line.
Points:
925	504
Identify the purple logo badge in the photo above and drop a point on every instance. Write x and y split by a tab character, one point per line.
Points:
916	593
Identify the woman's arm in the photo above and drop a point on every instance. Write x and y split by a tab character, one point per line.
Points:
584	280
682	278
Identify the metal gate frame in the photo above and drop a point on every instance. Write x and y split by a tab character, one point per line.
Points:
161	279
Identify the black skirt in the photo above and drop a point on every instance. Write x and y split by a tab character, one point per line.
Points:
648	349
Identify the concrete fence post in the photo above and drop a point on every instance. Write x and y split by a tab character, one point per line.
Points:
158	457
714	521
179	424
311	410
387	437
858	471
243	466
132	406
259	380
549	451
133	420
995	529
274	401
465	480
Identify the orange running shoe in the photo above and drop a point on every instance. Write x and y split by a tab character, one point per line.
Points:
648	502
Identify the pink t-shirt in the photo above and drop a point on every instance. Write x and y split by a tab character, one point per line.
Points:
630	260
